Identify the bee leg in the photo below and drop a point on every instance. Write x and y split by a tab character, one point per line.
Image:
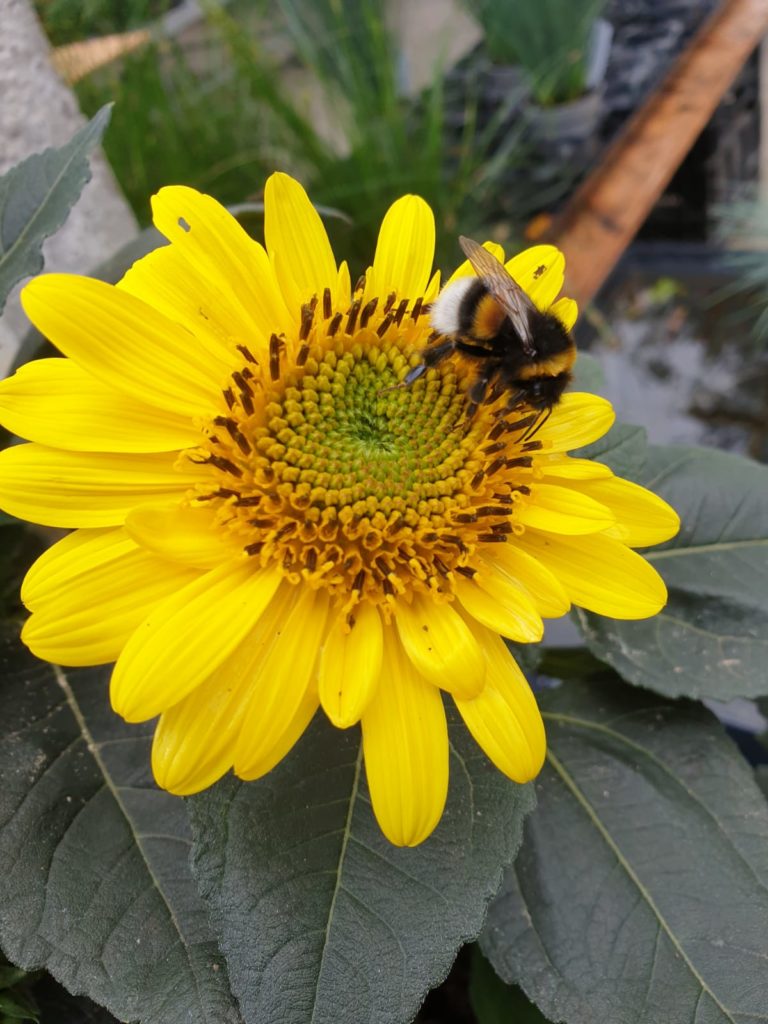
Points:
537	424
432	356
413	374
473	350
429	358
476	394
476	397
515	399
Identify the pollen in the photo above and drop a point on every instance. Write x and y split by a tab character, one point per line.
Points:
325	464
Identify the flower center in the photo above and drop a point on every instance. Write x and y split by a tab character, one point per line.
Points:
325	465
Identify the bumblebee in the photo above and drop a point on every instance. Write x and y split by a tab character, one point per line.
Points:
518	349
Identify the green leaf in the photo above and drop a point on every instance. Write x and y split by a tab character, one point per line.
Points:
494	1002
10	976
711	639
624	449
36	197
587	374
16	1007
640	895
94	878
319	917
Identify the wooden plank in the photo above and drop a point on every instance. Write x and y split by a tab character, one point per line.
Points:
605	213
74	61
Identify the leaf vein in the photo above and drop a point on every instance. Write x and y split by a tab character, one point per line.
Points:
594	817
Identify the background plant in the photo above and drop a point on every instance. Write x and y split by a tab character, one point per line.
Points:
220	118
742	226
549	39
68	21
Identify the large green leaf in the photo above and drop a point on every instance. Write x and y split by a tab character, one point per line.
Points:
623	448
588	374
36	197
321	920
94	878
711	640
640	895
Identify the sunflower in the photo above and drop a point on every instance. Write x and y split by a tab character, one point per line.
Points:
264	524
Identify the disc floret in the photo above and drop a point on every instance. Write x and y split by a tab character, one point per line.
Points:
327	466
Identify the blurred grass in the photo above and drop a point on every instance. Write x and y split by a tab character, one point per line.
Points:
220	117
67	21
548	38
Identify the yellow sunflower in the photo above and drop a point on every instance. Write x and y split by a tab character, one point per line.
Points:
265	526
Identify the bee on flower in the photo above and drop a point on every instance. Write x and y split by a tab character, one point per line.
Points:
266	522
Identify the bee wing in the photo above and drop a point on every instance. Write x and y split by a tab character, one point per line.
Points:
504	288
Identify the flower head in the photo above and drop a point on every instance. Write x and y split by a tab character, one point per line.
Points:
264	523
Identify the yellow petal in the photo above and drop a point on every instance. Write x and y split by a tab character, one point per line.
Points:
405	741
343	286
58	488
350	666
195	740
567	311
295	234
192	745
184	639
539	271
281	682
281	744
642	518
55	402
563	510
184	534
76	554
125	343
576	420
497	602
466	269
433	288
563	467
505	719
165	280
404	252
441	646
89	598
238	282
600	574
520	568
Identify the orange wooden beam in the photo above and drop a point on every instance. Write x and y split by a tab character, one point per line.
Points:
74	61
604	214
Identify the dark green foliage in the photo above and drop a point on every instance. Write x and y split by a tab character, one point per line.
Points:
36	197
342	927
640	894
94	877
711	640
